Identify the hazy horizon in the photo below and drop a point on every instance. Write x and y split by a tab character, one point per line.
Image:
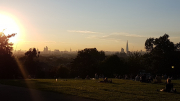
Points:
78	24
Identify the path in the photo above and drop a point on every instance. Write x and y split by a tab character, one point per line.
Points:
13	93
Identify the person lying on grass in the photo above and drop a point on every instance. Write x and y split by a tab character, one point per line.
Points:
169	87
106	80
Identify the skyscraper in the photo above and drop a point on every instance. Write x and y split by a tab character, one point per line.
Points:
127	49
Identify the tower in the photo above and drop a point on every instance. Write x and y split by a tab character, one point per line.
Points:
127	49
122	50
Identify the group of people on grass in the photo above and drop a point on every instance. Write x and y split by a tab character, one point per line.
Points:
157	79
145	78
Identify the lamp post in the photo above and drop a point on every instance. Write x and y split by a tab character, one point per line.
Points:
172	70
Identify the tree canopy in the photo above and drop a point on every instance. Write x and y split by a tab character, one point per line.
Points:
161	44
8	64
86	62
162	54
32	53
5	46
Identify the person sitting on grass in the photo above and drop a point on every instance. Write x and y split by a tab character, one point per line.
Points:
87	77
106	80
137	78
157	79
169	87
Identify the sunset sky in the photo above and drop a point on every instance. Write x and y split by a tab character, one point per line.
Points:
79	24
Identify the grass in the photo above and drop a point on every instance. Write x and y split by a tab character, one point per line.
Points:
119	90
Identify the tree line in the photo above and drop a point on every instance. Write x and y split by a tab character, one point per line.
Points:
161	56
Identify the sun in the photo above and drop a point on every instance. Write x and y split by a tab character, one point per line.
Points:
10	26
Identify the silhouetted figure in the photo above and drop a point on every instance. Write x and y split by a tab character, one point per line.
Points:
106	80
126	76
119	77
150	79
87	77
137	78
157	79
169	87
96	76
77	77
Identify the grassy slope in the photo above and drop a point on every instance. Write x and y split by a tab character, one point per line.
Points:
118	90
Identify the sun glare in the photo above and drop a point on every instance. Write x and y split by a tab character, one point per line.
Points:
9	25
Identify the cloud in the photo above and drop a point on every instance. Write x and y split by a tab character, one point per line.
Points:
128	35
79	31
118	37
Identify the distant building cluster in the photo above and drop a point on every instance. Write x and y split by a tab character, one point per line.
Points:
47	51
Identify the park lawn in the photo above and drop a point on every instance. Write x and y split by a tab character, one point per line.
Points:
119	90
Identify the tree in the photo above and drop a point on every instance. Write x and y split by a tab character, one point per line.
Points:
86	62
5	47
30	65
32	53
112	65
135	63
62	72
149	44
163	54
8	64
160	45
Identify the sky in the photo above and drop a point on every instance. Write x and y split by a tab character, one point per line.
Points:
78	24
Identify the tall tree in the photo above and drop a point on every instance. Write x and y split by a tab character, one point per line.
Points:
86	62
163	54
8	65
135	63
30	64
112	65
32	53
160	45
5	46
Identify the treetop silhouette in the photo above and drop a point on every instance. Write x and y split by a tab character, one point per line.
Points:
6	47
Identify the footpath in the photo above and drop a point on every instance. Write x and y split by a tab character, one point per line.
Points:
13	93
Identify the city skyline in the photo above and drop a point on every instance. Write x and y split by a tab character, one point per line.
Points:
78	24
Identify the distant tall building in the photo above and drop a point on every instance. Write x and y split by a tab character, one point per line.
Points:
127	49
122	50
46	49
